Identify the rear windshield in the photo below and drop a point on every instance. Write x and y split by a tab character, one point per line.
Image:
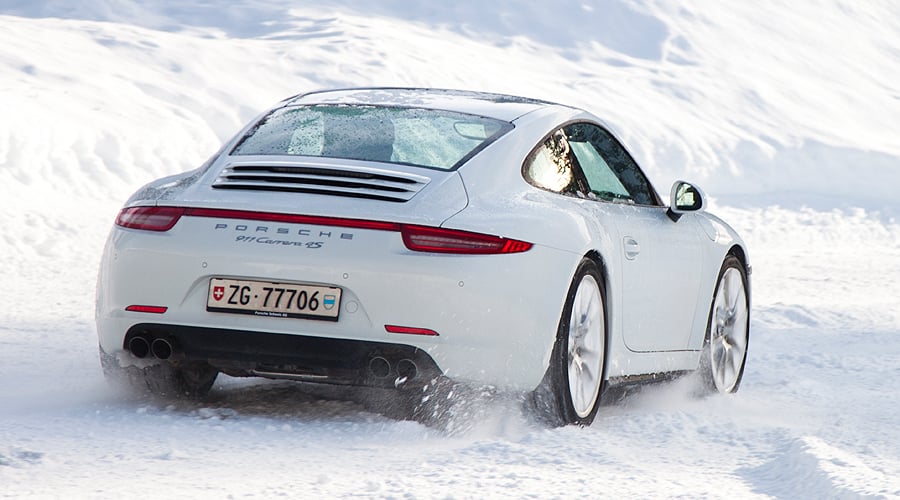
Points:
414	136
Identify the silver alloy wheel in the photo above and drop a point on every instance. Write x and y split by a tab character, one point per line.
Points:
586	346
728	331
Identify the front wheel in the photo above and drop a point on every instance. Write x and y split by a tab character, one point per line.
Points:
728	330
570	392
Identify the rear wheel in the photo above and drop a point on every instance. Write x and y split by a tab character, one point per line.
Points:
728	330
570	393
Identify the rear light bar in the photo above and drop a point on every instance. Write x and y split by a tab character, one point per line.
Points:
314	220
416	238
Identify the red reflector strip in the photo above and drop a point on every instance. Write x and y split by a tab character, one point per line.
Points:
435	239
410	330
147	309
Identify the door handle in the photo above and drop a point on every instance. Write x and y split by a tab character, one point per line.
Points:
632	248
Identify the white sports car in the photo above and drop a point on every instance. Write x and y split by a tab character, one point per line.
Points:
394	237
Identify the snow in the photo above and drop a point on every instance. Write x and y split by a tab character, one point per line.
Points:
785	113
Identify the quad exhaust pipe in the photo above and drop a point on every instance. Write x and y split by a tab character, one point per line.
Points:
379	367
140	347
161	349
407	368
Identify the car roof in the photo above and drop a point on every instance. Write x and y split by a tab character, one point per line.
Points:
499	106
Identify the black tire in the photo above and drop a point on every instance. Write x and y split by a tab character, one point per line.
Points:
584	357
724	354
168	380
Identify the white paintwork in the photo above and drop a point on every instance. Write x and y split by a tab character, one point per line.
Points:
662	282
497	315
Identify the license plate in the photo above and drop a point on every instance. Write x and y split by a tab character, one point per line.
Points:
278	300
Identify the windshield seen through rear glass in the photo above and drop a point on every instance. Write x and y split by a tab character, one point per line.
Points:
423	137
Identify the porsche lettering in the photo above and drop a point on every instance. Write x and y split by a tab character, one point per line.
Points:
253	228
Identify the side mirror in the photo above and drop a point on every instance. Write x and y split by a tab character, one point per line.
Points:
685	198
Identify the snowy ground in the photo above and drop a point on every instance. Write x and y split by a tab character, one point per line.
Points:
786	114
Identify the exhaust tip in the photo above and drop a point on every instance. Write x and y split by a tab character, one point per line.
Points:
406	368
379	367
161	349
139	347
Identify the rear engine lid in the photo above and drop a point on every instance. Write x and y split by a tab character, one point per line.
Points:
329	187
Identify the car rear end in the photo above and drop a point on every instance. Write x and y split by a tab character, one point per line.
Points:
325	269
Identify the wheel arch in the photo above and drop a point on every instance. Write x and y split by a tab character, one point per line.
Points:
738	252
741	255
595	257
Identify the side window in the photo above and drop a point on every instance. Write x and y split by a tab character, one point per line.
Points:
601	180
550	165
610	171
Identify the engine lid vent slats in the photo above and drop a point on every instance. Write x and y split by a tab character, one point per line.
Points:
341	181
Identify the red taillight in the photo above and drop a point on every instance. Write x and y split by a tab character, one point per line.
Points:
435	239
147	309
410	330
150	218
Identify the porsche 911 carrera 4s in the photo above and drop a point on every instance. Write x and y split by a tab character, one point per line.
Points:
391	237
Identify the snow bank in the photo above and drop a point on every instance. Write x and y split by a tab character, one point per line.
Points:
758	100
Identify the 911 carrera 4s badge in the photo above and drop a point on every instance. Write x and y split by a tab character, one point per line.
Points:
271	299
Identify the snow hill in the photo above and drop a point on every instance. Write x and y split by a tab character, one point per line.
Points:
786	113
